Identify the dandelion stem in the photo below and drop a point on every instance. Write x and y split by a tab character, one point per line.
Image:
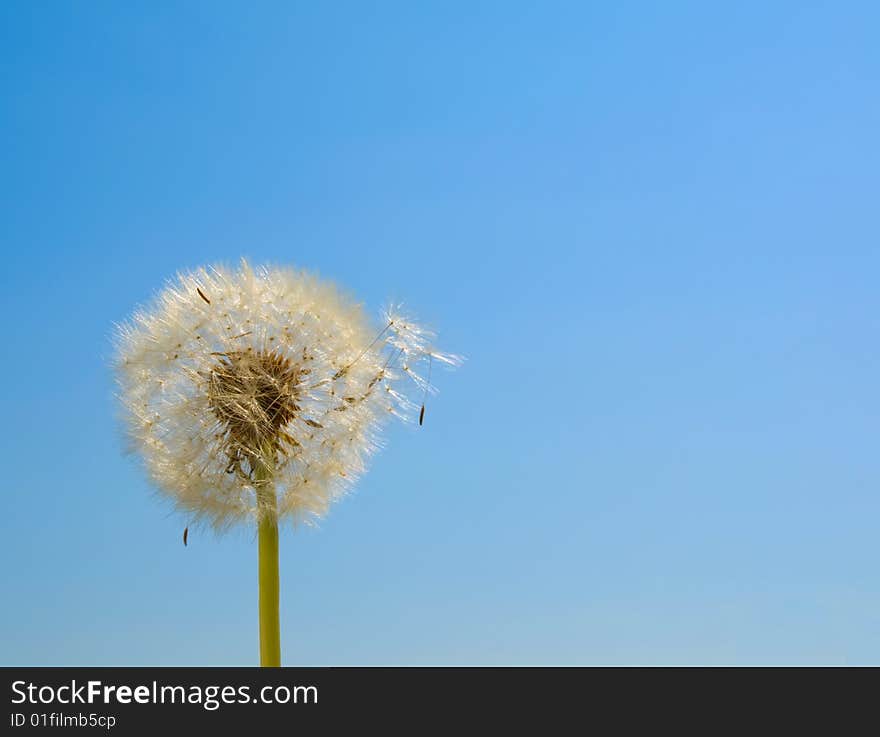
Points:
270	628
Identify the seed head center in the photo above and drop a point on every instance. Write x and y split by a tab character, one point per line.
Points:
254	395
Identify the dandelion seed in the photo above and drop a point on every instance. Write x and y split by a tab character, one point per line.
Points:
425	397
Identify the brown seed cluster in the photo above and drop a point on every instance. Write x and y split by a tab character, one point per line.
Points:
255	396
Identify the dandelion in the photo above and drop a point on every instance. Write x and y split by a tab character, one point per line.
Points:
255	396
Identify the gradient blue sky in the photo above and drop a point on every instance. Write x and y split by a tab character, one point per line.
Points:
651	227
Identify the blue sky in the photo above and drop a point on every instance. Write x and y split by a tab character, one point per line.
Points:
652	229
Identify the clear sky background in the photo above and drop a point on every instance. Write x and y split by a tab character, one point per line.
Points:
652	228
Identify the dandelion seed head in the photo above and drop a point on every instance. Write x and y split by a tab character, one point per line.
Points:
231	370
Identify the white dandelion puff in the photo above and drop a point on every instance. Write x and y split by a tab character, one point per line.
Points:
233	379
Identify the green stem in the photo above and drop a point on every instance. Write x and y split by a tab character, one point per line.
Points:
267	533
